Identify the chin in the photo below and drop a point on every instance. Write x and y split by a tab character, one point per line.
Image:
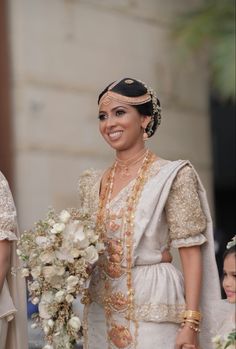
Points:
231	300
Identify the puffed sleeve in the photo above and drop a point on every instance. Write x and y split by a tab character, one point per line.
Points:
7	212
185	217
88	187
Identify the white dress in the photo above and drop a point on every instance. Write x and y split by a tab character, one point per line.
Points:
13	322
172	211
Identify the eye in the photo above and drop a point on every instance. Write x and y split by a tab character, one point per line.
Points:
102	117
120	112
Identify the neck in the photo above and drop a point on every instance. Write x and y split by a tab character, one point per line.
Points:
129	154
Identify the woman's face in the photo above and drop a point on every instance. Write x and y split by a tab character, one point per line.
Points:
121	125
229	281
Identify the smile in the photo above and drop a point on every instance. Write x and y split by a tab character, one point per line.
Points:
115	135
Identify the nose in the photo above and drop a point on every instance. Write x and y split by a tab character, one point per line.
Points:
110	121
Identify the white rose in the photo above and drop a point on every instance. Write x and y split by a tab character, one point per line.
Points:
49	272
51	222
59	296
75	323
25	272
35	300
34	325
100	246
50	323
34	286
72	281
35	272
91	235
41	241
46	299
75	252
69	298
58	227
75	232
47	257
64	216
91	254
46	329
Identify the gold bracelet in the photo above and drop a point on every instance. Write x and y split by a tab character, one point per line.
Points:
196	322
196	329
192	314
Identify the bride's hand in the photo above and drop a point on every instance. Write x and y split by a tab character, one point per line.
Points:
186	339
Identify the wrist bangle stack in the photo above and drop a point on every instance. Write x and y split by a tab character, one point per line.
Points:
192	319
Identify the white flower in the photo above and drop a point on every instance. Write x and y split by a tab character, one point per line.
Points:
25	272
41	241
47	257
35	286
64	216
100	246
34	325
57	228
46	299
216	339
48	346
91	235
35	300
50	323
74	231
72	281
69	298
46	329
91	254
18	252
51	222
49	271
75	323
35	272
59	296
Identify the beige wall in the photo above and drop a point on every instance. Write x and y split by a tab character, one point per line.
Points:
63	54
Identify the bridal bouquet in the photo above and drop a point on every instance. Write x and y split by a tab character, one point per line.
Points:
228	342
57	255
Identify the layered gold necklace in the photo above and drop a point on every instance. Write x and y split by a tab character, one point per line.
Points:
115	331
126	166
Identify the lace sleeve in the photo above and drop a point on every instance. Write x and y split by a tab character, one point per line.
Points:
184	214
88	187
7	212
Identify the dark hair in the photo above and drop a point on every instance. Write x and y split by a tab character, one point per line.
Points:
130	87
231	250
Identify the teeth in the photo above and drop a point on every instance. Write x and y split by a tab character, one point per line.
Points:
115	135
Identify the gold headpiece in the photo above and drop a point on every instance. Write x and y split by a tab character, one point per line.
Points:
110	95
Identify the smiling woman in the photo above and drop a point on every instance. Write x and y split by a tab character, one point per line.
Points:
144	205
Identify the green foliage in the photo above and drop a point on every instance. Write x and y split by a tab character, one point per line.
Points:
212	28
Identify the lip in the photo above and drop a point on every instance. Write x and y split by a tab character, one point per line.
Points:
115	135
230	294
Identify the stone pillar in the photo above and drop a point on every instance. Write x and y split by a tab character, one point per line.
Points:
64	53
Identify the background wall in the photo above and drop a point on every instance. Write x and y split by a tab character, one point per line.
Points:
63	53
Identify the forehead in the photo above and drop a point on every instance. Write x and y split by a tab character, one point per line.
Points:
230	261
109	106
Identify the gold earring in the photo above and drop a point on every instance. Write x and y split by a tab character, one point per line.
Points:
145	136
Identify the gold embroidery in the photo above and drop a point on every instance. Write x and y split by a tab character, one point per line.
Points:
183	209
120	336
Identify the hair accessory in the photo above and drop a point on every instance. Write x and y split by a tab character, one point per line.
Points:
129	81
231	243
111	95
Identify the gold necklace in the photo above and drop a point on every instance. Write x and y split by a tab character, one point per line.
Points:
126	165
116	330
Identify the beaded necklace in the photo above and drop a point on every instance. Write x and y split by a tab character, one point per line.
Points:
116	330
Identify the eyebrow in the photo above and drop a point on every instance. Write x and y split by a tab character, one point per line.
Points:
113	109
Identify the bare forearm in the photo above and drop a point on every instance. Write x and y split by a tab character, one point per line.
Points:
192	268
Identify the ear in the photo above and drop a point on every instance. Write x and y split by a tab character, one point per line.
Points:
145	119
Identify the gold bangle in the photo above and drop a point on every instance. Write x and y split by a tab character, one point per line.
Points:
192	314
196	322
196	329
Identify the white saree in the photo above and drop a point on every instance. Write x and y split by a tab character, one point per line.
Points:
172	211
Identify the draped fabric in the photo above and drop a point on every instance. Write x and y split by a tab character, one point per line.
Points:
13	296
172	211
